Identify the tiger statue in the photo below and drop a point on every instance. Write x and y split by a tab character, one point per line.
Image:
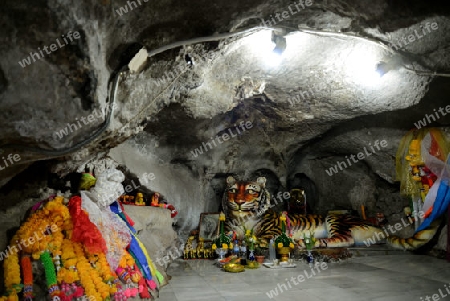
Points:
244	203
247	204
418	240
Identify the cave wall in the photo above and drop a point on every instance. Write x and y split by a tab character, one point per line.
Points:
175	182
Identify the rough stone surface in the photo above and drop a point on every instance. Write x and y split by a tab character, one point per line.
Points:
154	228
226	71
442	243
306	115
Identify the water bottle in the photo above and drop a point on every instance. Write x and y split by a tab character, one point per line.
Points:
272	254
236	248
243	249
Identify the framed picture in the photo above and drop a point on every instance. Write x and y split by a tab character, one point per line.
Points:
209	226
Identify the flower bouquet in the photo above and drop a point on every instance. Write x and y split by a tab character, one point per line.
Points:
222	243
283	243
251	242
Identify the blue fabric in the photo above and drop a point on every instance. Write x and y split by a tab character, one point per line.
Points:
440	205
115	208
140	258
134	248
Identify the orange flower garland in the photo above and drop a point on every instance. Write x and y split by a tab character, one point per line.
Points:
127	261
38	228
27	272
90	278
48	231
68	272
102	266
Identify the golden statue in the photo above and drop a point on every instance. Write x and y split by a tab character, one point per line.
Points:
189	251
139	201
201	249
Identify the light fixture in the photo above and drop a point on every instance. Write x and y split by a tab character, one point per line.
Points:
276	56
280	43
383	68
273	52
268	45
361	67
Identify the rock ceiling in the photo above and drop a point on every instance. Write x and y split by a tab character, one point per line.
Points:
209	70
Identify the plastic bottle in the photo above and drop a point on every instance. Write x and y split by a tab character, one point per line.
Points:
236	248
272	254
243	249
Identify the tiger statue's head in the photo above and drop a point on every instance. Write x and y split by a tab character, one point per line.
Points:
245	199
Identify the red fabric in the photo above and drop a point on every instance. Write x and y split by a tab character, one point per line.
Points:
129	220
428	212
143	289
173	211
435	150
84	231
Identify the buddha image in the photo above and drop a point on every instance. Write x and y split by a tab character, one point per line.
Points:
208	229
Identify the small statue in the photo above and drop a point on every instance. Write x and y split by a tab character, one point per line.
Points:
207	253
155	200
189	252
200	249
139	201
155	203
381	220
297	202
126	199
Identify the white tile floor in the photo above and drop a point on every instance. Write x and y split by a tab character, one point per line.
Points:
388	278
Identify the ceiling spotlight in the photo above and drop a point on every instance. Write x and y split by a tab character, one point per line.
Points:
269	46
383	68
280	43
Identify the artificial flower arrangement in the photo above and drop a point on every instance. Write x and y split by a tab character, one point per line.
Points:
309	240
73	253
250	239
223	241
283	241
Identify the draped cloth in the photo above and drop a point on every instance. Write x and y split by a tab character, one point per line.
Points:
138	250
438	198
113	229
95	202
84	231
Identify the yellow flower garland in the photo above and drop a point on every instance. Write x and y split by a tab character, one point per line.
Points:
12	273
37	229
104	270
68	272
90	279
126	261
52	229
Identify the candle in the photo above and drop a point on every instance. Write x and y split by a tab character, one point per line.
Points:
363	213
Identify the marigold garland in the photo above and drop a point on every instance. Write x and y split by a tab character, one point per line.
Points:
35	234
11	269
10	298
68	272
27	272
104	270
90	278
47	236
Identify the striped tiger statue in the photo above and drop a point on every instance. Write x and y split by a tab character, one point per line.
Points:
418	240
247	204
